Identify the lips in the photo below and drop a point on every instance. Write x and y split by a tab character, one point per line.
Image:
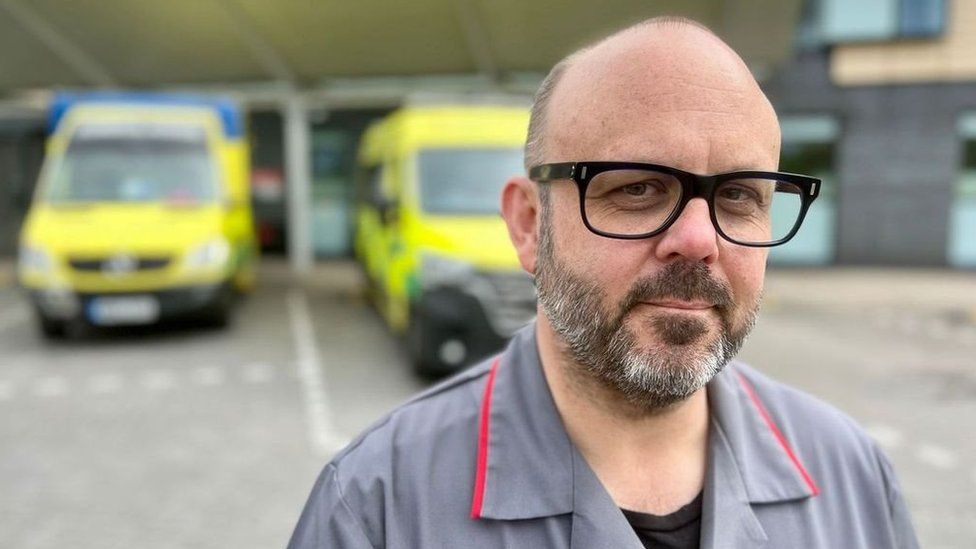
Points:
687	305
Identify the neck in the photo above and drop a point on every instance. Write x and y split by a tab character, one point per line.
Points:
648	461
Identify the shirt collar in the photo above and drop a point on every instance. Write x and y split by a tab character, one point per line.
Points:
761	454
529	468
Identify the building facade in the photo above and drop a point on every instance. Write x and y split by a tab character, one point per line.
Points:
888	90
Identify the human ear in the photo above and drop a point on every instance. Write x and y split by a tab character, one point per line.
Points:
520	208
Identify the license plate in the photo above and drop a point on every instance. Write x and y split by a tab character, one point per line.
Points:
114	311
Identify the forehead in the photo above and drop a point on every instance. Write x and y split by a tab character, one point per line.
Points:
691	104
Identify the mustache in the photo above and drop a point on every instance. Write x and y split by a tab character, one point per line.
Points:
681	281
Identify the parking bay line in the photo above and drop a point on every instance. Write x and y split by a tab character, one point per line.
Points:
6	391
208	376
885	435
258	373
159	380
51	386
321	432
936	456
104	384
15	316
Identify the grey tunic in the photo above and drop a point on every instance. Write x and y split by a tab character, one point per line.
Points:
483	460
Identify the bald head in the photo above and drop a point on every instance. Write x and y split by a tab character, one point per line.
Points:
666	91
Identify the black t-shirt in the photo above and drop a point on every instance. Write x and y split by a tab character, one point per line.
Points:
679	530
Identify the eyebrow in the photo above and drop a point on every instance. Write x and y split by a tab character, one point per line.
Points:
735	168
749	169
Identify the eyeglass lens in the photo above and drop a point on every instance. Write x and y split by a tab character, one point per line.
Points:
635	202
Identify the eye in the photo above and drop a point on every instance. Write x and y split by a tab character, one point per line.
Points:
738	194
631	190
733	194
644	188
636	189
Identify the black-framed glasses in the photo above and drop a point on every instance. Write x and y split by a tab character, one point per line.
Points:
632	200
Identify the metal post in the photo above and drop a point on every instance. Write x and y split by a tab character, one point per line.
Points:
299	174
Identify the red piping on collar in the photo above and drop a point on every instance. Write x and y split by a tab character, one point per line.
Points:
481	470
776	432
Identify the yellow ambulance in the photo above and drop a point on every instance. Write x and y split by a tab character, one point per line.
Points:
429	235
142	212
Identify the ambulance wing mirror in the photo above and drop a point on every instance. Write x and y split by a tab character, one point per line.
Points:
388	209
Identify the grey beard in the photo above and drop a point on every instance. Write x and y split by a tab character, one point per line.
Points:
650	380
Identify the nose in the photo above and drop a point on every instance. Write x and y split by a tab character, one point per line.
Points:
692	237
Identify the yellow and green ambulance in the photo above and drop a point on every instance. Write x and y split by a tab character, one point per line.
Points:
429	234
142	212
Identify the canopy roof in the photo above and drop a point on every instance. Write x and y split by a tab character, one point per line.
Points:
311	44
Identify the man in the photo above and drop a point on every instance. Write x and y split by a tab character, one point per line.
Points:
617	419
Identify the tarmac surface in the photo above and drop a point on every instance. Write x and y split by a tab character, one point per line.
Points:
186	437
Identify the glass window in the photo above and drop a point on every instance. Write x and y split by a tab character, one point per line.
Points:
921	18
961	250
466	181
134	163
875	20
846	21
809	146
333	158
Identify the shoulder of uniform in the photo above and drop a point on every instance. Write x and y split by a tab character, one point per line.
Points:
391	462
814	426
443	408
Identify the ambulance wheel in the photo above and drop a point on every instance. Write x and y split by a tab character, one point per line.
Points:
217	314
52	328
421	347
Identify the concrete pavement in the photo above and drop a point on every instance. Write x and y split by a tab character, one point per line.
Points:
149	438
853	289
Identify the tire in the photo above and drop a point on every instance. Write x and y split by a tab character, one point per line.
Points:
425	339
421	348
52	329
218	313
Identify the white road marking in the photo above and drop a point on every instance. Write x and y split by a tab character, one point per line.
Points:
884	318
104	384
321	433
53	386
208	376
159	380
258	373
908	323
937	456
886	435
6	391
939	329
13	316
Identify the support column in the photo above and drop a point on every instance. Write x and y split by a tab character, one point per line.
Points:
299	175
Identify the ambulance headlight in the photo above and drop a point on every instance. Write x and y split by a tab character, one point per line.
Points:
211	254
35	259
